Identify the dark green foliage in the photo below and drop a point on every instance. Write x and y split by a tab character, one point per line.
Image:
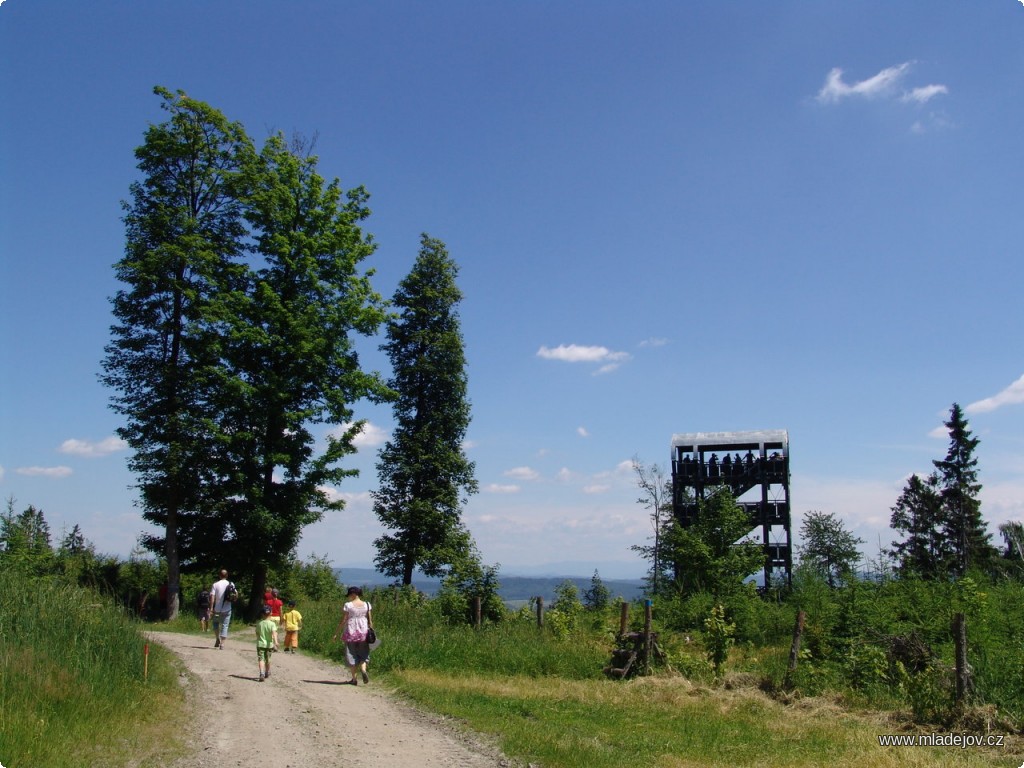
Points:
233	338
944	533
424	474
289	362
597	597
183	248
963	526
469	579
828	547
315	579
25	540
924	551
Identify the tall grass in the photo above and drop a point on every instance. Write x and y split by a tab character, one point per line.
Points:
72	689
415	636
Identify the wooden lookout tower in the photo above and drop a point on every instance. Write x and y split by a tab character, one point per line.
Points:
755	467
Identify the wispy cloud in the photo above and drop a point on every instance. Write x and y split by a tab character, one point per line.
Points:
882	84
595	489
44	471
522	473
582	432
924	94
576	353
93	450
500	488
1012	395
1	473
654	341
887	84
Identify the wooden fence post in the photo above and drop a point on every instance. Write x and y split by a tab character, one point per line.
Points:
623	617
794	649
477	613
648	611
963	675
540	612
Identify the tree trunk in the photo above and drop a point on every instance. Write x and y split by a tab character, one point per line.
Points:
254	610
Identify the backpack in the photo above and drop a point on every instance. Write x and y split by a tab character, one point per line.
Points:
203	601
230	593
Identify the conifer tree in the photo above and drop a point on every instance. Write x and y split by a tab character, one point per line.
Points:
963	527
184	232
424	475
917	515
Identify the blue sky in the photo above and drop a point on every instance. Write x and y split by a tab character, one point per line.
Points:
669	217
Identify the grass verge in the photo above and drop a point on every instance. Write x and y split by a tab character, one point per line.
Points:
667	722
72	685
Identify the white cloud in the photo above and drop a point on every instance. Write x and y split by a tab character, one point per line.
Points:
596	488
499	488
884	85
924	94
582	432
1	473
879	85
91	450
522	473
44	471
369	437
1012	395
939	432
575	353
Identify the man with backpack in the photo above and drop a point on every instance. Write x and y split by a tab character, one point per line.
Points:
223	594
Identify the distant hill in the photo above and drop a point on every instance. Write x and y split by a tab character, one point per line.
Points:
514	590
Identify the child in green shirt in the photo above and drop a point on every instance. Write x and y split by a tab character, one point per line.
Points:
266	643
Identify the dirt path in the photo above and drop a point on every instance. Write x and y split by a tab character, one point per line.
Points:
304	716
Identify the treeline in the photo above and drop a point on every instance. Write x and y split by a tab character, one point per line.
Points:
139	583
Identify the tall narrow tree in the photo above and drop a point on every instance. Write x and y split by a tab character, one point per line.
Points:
965	530
184	233
424	475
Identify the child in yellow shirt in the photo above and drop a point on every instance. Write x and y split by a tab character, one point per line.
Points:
292	624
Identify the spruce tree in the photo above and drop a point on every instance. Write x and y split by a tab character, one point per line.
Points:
184	241
917	515
964	529
424	475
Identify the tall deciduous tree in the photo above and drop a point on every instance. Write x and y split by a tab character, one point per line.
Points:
290	361
828	547
184	232
656	496
424	475
963	526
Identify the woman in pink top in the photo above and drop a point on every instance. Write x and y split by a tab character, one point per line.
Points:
356	621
